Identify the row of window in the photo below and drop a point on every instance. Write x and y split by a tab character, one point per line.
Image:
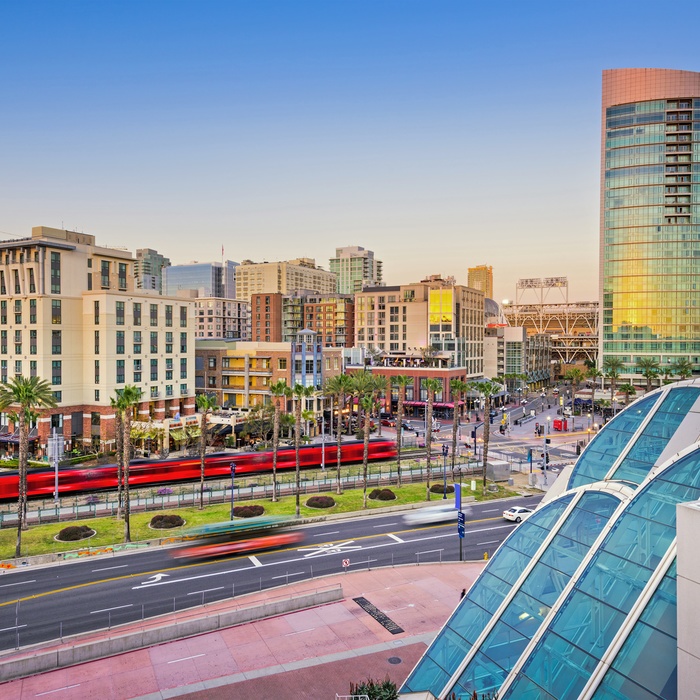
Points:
138	370
137	315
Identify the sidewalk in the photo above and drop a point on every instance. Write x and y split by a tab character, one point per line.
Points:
311	654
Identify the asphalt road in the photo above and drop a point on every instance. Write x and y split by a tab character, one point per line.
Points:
52	602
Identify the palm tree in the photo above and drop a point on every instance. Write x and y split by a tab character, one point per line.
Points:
575	376
487	388
366	403
339	386
119	448
612	367
301	393
127	399
649	368
683	367
380	385
206	403
401	381
628	390
431	386
27	393
278	390
457	389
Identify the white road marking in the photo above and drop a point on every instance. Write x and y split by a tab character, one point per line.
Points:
330	548
186	658
155	579
491	510
56	690
207	590
385	525
19	583
296	573
323	534
394	537
5	629
478	544
255	560
119	607
291	634
107	568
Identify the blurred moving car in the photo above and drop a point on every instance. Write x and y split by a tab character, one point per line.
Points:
388	422
517	514
445	512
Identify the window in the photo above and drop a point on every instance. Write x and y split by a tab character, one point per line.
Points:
58	395
33	368
3	289
55	273
121	276
168	390
96	312
120	342
3	312
3	342
154	341
154	314
120	313
183	317
137	342
120	371
18	367
154	370
183	342
55	342
3	371
97	394
56	371
32	282
18	289
137	314
183	388
89	281
104	274
97	371
282	363
168	341
183	368
32	311
211	362
32	342
97	342
168	315
55	311
137	370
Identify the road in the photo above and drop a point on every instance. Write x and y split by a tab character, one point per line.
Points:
48	603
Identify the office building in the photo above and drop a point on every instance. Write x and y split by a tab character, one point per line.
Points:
650	216
213	279
70	315
148	269
595	594
286	277
222	318
356	268
481	278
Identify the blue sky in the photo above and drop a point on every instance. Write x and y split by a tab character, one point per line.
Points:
439	134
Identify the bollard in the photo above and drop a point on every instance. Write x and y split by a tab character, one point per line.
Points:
486	556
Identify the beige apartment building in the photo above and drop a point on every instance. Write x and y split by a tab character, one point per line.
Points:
481	278
285	277
70	314
434	322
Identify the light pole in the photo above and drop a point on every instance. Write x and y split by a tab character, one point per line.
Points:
233	476
445	449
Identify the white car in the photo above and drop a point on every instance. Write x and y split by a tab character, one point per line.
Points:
434	514
517	514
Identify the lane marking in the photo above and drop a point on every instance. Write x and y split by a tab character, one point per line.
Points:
478	544
255	560
385	525
19	583
5	629
394	537
291	634
491	510
108	568
119	607
296	573
323	534
185	658
56	690
206	590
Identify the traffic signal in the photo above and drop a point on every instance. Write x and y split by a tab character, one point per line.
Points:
546	458
547	441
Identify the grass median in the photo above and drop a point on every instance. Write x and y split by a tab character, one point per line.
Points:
109	532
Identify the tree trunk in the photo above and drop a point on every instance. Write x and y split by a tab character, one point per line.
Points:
127	458
365	453
487	434
119	440
22	501
275	448
297	444
339	438
202	458
428	443
455	427
399	432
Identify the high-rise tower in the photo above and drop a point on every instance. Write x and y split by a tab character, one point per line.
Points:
650	217
481	278
356	268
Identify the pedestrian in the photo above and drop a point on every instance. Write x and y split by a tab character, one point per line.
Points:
463	593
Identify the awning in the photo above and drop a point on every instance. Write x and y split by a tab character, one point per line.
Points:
437	404
13	438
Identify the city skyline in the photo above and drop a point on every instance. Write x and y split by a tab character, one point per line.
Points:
440	135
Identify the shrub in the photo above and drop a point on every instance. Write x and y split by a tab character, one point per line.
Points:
438	488
383	495
166	521
375	690
320	502
73	533
164	491
248	511
92	499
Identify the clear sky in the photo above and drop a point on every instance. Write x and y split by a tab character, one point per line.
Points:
441	134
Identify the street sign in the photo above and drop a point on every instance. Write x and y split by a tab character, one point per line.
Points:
460	518
346	563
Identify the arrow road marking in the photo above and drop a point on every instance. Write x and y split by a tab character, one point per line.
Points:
154	579
330	548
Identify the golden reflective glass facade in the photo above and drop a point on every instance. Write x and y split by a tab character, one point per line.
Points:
441	310
650	215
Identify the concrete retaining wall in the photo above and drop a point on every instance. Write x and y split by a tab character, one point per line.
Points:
39	662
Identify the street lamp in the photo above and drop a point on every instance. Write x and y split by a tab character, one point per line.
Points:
233	476
445	450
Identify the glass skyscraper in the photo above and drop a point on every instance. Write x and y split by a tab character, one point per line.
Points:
650	216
